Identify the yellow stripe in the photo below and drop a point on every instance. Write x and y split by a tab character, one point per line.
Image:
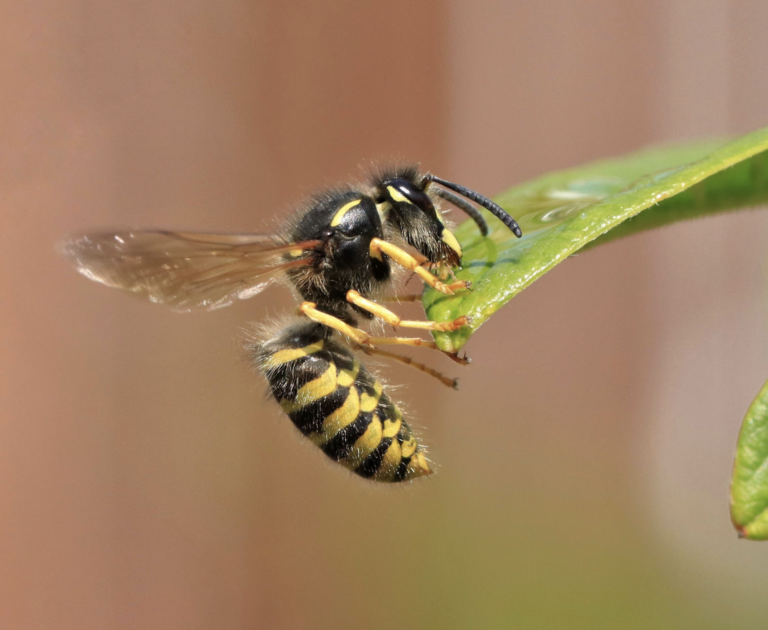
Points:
312	391
389	463
397	195
342	417
392	425
286	356
409	447
418	467
450	240
365	444
345	378
337	218
368	403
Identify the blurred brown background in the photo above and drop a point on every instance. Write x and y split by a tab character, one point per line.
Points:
583	468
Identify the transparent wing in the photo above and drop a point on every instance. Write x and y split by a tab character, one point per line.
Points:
185	270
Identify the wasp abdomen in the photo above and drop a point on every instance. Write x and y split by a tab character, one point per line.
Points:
340	406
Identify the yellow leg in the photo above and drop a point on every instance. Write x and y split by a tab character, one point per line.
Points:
394	320
358	336
404	259
362	338
445	380
421	343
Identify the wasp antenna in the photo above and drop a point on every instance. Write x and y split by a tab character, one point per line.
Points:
489	205
461	203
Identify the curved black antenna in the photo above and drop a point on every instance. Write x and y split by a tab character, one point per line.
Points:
463	204
489	205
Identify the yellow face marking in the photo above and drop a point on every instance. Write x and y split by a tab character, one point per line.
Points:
345	378
337	218
397	195
314	390
286	356
365	444
409	447
450	240
342	417
367	402
389	463
383	209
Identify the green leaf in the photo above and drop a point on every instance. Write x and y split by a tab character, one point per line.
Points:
564	212
749	485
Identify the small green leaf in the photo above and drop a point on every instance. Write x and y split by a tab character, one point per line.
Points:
563	212
749	485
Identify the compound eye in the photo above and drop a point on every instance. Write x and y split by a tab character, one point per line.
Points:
403	191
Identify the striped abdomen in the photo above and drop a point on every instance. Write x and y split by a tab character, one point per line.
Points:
339	405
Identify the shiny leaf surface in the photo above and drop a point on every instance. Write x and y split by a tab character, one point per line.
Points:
566	211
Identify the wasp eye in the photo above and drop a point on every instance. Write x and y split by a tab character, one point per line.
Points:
402	191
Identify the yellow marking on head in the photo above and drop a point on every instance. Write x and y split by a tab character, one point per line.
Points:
342	417
291	354
450	240
389	463
314	390
365	444
296	253
345	378
397	195
337	218
368	402
439	216
409	447
383	209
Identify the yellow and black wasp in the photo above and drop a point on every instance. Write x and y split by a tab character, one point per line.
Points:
337	253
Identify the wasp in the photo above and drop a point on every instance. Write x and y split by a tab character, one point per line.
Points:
338	253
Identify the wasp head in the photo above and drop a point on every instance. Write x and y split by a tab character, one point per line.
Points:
404	203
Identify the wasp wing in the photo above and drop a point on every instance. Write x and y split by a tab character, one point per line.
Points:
185	270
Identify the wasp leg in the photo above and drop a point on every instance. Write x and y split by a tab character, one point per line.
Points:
355	334
362	338
404	259
394	320
445	380
415	341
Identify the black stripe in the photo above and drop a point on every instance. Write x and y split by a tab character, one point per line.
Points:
402	470
365	382
371	465
339	445
310	418
301	335
404	433
386	408
343	361
285	380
